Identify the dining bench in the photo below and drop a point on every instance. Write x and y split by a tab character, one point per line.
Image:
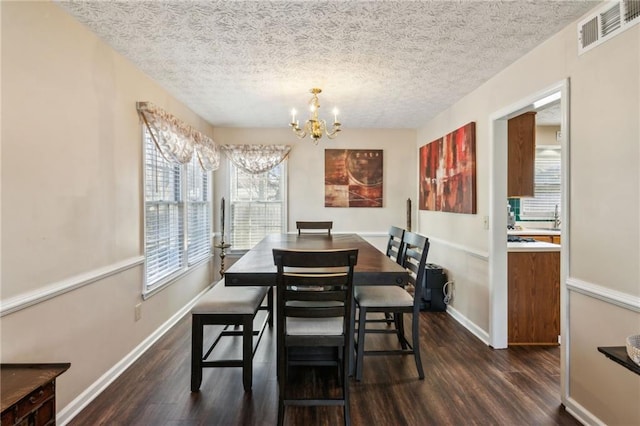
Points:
230	307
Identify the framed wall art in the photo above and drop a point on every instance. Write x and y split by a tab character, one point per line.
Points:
353	178
448	172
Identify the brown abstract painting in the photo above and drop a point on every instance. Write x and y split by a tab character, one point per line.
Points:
353	178
448	172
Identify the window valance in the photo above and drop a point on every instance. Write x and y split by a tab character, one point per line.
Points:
176	140
256	159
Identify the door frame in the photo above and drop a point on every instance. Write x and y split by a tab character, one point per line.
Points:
498	309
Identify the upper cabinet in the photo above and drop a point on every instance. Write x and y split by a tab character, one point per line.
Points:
522	153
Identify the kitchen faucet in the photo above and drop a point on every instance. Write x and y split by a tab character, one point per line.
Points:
556	218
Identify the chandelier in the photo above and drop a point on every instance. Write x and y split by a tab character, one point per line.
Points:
314	127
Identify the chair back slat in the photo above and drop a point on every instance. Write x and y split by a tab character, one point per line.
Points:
414	259
314	226
395	243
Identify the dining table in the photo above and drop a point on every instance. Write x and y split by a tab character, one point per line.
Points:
257	268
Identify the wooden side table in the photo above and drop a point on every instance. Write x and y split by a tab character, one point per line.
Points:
29	393
618	354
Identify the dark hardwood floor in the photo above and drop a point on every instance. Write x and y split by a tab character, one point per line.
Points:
466	383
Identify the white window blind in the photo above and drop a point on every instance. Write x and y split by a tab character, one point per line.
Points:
199	213
548	189
164	219
177	207
257	205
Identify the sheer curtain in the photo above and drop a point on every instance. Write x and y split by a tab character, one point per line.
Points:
176	140
256	159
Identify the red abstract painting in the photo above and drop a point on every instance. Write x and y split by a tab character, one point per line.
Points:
448	172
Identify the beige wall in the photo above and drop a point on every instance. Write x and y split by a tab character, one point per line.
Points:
546	135
604	224
306	174
72	196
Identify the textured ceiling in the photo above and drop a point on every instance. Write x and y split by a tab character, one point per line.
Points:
383	64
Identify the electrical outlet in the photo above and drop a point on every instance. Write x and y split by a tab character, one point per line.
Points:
138	311
486	222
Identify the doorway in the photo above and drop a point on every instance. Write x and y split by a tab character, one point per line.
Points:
498	310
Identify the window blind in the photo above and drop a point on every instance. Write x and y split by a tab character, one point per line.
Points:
199	213
177	215
547	187
164	219
257	205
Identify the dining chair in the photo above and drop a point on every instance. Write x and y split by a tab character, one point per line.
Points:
306	227
394	249
395	244
314	301
397	300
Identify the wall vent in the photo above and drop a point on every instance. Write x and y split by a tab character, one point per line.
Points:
606	22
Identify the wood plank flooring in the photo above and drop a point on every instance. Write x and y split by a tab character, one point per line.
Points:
466	383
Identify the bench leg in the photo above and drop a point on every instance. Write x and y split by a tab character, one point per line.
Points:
247	352
270	306
196	352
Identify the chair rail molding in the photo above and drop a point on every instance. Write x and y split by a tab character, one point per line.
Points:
27	299
482	255
614	297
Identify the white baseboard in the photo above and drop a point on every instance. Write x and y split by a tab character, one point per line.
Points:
469	325
581	414
67	414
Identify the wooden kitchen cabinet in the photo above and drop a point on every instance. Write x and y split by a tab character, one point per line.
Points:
534	297
521	155
29	393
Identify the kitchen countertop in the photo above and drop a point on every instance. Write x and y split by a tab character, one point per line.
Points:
529	231
534	246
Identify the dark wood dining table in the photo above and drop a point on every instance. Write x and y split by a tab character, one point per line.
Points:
256	267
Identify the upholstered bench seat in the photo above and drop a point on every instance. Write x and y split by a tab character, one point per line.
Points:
221	299
228	306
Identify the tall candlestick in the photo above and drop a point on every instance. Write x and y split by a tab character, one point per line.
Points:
408	214
222	220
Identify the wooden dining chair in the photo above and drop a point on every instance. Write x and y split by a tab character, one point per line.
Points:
395	244
397	300
313	311
306	227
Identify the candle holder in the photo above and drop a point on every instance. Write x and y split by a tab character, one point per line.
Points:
223	247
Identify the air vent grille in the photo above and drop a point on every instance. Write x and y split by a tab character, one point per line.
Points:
606	22
632	8
610	20
589	32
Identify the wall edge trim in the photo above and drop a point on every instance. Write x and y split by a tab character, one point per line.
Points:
72	409
482	255
469	325
27	299
614	297
581	414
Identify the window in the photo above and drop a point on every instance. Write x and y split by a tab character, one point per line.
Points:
548	189
177	215
258	205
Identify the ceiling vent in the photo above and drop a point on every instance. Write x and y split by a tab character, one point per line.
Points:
606	22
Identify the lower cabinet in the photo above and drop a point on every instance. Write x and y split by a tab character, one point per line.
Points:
29	393
534	298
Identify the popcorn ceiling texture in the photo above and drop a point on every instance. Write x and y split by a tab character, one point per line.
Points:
383	64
